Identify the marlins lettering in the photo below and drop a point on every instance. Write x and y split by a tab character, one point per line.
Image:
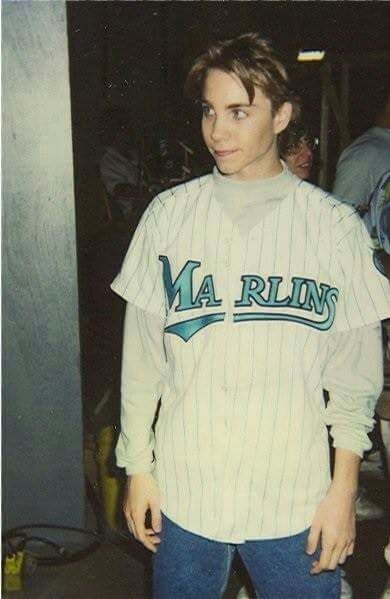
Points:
304	294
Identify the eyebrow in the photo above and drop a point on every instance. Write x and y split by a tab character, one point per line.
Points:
229	106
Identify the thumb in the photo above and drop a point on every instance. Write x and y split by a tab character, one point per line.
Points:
156	517
312	540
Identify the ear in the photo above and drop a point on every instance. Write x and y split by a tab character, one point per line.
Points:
282	117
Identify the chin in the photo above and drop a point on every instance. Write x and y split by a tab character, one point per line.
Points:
302	173
225	169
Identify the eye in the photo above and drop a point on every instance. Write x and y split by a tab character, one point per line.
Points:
207	111
239	114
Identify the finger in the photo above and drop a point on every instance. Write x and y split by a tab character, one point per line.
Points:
156	517
323	562
155	540
140	529
147	540
150	543
343	556
312	540
139	524
150	532
126	512
351	548
151	536
131	527
335	557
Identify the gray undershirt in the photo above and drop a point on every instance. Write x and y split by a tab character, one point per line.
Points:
247	202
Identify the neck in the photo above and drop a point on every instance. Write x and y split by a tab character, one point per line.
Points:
258	171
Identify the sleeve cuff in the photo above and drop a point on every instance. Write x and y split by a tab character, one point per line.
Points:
140	462
130	471
136	467
345	441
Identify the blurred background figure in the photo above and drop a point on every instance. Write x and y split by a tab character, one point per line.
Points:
119	164
363	181
137	163
367	158
297	146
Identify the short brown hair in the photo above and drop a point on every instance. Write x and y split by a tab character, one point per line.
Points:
252	59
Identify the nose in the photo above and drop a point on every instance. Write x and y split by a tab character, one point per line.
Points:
218	131
306	153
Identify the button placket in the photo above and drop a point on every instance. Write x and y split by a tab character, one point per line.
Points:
230	278
227	251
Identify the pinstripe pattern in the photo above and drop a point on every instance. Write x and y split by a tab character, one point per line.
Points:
241	444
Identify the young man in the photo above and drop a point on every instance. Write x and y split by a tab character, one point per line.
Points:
249	291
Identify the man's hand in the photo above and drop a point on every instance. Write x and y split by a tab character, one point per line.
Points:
334	523
141	495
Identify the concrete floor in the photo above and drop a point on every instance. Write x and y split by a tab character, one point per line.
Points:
107	573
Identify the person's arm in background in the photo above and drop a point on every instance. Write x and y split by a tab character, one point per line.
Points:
143	371
354	379
116	169
353	181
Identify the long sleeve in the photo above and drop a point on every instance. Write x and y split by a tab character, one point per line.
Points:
143	370
354	379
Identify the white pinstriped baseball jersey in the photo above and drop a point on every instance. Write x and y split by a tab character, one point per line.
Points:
241	445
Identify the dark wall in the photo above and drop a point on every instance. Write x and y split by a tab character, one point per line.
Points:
42	422
136	54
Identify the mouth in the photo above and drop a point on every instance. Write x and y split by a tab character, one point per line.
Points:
223	153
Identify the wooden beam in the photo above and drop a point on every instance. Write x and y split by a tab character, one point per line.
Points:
344	97
338	112
323	171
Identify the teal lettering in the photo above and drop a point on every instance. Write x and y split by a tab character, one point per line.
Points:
182	284
313	299
206	294
252	287
296	292
332	296
273	293
188	328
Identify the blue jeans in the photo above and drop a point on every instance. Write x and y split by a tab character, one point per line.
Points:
187	566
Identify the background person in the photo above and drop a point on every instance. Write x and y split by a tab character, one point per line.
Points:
297	146
367	158
360	168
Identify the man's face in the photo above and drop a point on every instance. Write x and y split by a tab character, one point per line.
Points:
241	136
300	160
